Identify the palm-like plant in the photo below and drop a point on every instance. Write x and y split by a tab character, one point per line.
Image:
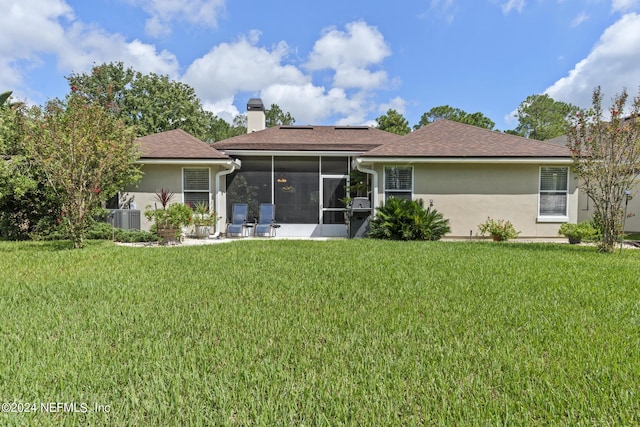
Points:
401	219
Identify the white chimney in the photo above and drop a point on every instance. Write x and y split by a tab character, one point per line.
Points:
256	119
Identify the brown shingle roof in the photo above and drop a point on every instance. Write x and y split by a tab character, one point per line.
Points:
310	138
176	144
446	138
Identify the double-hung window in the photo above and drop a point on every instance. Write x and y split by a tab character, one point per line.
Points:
398	182
554	193
195	186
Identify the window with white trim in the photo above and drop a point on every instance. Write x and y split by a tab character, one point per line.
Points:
398	182
554	192
195	186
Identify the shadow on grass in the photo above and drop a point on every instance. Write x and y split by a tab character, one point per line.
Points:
42	246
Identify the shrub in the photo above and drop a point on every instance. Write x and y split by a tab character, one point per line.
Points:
104	231
577	232
499	229
401	219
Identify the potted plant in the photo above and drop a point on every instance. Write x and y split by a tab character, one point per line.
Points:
203	220
169	218
577	232
500	229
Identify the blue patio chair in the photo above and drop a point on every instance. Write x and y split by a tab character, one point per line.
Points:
238	224
266	225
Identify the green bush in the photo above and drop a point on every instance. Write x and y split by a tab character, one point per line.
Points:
578	232
401	219
499	229
104	231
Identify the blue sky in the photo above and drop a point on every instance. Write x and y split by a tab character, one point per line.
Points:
333	62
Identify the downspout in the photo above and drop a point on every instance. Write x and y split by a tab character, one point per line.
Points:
374	174
235	164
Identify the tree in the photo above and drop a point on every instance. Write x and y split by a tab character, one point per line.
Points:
393	122
455	114
150	102
85	154
606	156
23	202
541	117
276	117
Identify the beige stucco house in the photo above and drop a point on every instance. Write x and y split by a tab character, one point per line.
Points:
465	172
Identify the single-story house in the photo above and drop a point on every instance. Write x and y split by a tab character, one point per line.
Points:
465	172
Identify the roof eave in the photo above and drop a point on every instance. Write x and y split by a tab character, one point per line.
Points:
486	160
292	153
187	161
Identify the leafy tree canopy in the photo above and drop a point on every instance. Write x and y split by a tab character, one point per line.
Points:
150	102
154	103
85	154
276	117
393	122
541	117
455	114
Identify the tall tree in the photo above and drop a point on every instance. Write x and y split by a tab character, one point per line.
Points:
86	155
541	117
455	114
276	117
606	155
393	122
150	102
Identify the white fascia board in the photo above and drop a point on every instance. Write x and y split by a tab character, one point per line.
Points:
291	153
486	160
224	162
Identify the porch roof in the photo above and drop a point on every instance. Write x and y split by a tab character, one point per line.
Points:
446	138
310	138
177	144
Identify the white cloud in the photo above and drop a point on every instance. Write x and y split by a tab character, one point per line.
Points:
444	9
582	17
614	63
164	12
624	5
396	103
350	53
75	45
241	66
511	5
244	66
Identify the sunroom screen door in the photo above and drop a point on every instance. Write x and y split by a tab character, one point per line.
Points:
333	190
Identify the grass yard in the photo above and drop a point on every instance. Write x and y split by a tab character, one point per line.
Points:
346	332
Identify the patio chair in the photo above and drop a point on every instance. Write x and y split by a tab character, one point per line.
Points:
238	224
266	225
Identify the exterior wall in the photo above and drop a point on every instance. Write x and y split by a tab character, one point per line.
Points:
632	224
467	194
157	176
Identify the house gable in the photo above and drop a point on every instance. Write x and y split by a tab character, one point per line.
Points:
449	139
177	144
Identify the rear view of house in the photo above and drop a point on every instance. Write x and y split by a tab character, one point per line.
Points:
467	173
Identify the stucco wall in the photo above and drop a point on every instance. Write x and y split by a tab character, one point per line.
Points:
467	194
163	176
632	224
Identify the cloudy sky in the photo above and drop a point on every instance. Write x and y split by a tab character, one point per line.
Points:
333	62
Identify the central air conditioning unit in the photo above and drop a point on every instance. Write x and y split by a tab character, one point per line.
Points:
127	219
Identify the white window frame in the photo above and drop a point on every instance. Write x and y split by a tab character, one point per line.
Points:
203	191
387	191
553	218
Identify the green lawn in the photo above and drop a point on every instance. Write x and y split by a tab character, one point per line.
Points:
347	332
